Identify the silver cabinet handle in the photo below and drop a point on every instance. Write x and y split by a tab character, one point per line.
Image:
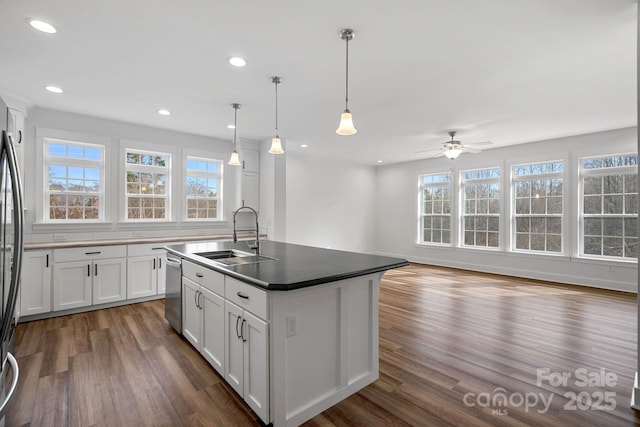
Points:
199	275
243	296
237	333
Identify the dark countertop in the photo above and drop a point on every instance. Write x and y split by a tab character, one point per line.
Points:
296	266
63	244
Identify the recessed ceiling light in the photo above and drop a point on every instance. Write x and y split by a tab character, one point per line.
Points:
45	27
54	89
303	145
380	161
164	112
231	126
236	61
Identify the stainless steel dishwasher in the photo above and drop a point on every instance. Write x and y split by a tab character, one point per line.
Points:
173	295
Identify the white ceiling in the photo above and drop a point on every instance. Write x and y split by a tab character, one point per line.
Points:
506	71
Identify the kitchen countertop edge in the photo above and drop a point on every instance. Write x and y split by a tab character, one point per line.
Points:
289	286
130	241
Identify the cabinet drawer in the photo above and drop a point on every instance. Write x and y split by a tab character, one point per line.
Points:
206	277
89	252
148	249
246	296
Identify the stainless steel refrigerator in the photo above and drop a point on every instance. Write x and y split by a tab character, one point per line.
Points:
11	249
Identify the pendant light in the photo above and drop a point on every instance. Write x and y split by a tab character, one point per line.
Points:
346	121
276	144
235	160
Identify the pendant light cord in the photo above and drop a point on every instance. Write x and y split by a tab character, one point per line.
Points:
276	83
346	93
235	125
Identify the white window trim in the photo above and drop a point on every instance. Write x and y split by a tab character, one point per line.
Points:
461	213
452	212
146	147
205	155
563	217
42	179
581	172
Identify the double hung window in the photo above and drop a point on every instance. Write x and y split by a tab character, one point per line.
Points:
147	195
435	202
481	207
203	189
538	191
74	185
609	211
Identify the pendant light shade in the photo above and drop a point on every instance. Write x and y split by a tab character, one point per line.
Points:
346	120
276	144
235	160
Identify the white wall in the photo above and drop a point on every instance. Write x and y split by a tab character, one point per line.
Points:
329	203
116	131
397	208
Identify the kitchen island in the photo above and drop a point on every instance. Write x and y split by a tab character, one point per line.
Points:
294	330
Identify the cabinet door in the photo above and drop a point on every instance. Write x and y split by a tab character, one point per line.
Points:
256	365
250	160
142	276
191	316
17	133
251	190
162	274
71	285
234	347
35	283
213	329
109	280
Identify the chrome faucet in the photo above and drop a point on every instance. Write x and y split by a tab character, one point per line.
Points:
256	246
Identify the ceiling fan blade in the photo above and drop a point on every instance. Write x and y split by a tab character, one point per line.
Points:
427	151
479	143
467	149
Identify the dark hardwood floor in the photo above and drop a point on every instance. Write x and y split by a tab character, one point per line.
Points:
456	348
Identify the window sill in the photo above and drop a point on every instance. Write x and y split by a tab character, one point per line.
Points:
83	226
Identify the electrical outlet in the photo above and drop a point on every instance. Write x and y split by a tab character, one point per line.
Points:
292	326
59	237
138	234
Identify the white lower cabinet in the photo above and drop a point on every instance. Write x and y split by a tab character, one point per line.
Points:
35	283
203	322
202	290
146	270
86	276
247	358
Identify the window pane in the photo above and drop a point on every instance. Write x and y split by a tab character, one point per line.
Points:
74	168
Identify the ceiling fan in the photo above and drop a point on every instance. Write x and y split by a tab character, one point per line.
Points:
453	148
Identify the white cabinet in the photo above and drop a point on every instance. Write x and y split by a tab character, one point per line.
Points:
35	283
250	193
90	275
247	347
250	160
191	315
203	312
16	130
250	179
146	270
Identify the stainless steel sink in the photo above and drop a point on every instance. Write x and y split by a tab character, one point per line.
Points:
234	257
